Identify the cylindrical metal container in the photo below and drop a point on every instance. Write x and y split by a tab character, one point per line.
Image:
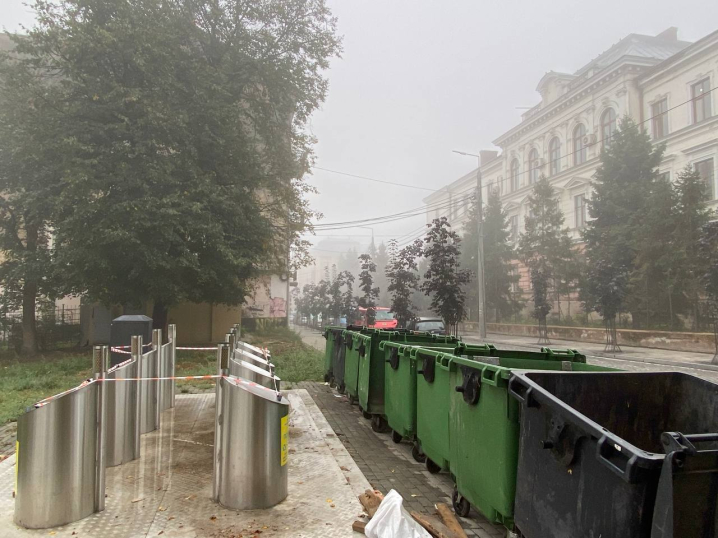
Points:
253	373
240	354
167	369
148	393
250	470
253	349
56	459
172	338
121	445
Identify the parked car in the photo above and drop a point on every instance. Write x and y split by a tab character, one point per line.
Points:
429	325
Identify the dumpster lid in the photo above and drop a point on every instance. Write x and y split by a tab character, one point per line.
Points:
132	317
258	390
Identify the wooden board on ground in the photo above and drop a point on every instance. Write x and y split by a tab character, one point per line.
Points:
359	526
449	519
370	500
433	525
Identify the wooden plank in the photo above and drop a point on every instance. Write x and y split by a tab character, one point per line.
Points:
359	526
449	519
370	500
433	525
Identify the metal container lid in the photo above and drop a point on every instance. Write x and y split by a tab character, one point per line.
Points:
258	370
255	357
258	390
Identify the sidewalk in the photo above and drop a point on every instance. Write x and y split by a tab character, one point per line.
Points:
631	358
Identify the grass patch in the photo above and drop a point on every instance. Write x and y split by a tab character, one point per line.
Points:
25	382
295	360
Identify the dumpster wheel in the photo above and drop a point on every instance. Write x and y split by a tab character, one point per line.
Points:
460	504
417	454
396	436
366	415
379	424
432	467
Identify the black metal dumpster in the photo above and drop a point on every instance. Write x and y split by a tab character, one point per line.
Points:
123	329
592	453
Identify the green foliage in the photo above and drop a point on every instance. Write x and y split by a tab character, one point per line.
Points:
498	255
183	141
444	279
382	282
619	206
708	254
366	286
403	277
545	246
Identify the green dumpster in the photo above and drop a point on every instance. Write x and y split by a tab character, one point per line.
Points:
371	371
331	334
400	388
361	347
484	427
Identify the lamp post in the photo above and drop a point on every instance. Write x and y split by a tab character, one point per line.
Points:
480	230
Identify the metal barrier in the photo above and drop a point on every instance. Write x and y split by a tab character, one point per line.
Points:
60	467
149	369
253	373
123	405
250	444
167	369
240	354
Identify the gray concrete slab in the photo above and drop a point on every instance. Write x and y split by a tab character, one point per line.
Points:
167	491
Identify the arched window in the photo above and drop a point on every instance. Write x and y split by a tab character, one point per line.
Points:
608	125
515	175
554	152
533	166
579	148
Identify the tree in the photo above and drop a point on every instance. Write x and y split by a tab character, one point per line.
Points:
444	279
691	217
498	255
617	206
366	285
708	252
30	180
184	141
349	303
544	247
382	262
404	280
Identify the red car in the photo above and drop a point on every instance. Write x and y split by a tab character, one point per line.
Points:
383	318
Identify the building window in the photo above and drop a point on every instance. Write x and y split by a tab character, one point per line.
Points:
701	97
659	118
554	151
580	151
664	176
514	271
608	125
579	209
513	228
515	175
533	166
707	171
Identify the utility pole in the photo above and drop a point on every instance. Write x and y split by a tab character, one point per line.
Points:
480	257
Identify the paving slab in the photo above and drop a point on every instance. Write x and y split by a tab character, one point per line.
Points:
167	491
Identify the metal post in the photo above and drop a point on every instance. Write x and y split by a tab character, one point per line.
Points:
172	338
100	359
232	341
222	369
480	272
136	350
157	347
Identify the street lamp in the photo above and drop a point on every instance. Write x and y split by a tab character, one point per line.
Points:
480	229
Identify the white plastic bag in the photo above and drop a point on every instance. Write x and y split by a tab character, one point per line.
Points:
392	521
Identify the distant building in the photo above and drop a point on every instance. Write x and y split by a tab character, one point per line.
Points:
328	253
660	81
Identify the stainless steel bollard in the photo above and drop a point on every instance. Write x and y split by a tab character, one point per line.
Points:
253	373
232	340
102	354
172	338
122	413
136	350
250	468
58	446
223	361
159	369
148	390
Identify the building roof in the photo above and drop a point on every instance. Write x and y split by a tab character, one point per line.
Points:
659	47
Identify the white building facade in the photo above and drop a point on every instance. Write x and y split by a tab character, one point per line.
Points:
663	83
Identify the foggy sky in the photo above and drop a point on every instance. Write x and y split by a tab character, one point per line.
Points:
419	78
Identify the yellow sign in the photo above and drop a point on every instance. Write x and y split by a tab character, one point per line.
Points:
285	439
17	461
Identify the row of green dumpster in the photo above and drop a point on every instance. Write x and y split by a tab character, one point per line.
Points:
542	442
